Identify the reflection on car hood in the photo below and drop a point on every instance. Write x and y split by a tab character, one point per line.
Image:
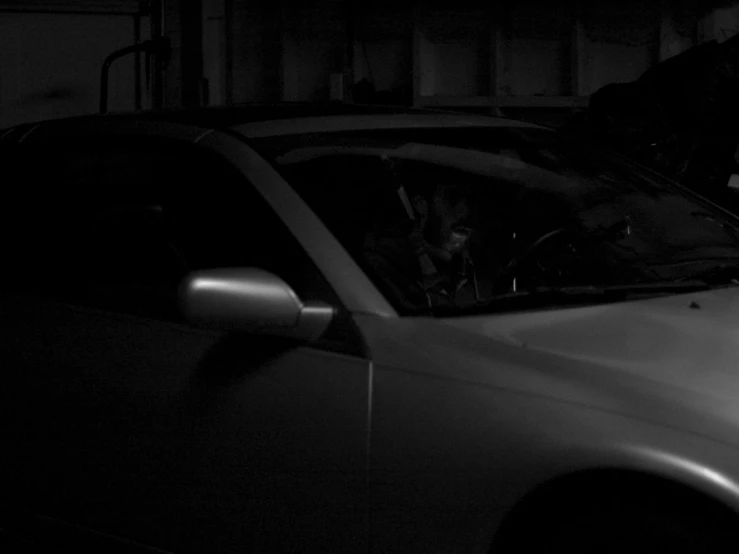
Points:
658	354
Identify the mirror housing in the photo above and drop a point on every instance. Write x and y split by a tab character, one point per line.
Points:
251	300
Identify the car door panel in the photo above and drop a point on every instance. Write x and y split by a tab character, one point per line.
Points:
180	438
123	418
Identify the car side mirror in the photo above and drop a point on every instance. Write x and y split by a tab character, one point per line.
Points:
251	300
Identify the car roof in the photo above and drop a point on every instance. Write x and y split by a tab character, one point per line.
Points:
264	119
221	117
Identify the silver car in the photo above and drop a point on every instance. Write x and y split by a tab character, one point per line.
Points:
300	328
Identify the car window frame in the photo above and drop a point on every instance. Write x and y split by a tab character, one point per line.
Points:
356	290
347	340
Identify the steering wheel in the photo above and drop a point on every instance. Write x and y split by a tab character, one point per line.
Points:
518	262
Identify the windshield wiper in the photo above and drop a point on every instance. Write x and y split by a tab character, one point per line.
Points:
719	275
715	271
547	297
656	286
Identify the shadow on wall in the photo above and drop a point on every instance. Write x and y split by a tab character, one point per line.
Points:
54	102
56	93
364	93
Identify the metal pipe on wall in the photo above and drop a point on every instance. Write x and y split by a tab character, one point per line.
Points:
156	9
191	24
228	77
137	62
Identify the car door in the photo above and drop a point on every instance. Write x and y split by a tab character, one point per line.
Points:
118	415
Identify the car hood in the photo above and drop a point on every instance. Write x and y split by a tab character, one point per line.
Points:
659	359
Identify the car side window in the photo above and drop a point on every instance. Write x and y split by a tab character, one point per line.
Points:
116	223
350	193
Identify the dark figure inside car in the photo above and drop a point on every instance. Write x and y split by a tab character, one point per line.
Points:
427	260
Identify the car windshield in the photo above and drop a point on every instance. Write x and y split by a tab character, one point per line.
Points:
469	219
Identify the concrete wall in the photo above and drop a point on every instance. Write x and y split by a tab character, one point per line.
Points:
523	53
50	64
466	49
